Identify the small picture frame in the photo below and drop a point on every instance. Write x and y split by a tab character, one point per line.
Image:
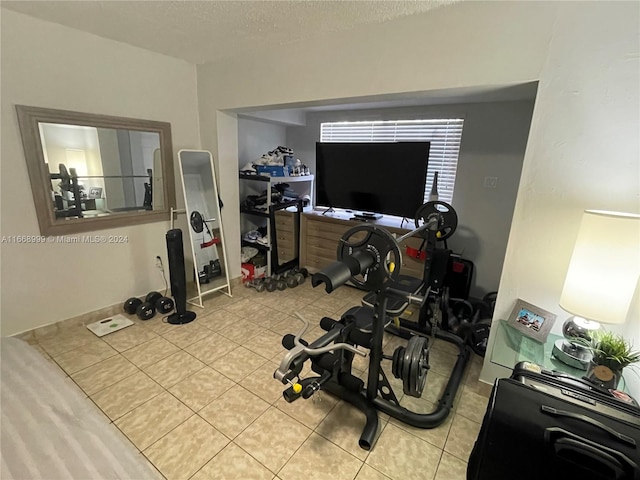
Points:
532	321
95	192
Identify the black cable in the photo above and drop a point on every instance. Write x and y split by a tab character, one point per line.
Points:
164	276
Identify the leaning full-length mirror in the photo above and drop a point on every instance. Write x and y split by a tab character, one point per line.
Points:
91	172
202	205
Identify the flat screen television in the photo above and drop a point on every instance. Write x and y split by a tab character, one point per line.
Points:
386	178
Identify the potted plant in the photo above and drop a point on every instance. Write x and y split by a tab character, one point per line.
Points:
611	353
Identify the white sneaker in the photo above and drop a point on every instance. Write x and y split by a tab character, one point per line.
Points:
248	168
265	159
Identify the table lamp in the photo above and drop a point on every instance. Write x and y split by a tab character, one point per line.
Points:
600	282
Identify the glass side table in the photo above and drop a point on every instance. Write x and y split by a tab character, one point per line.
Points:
511	346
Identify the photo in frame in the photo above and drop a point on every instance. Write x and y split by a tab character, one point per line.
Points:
95	192
532	321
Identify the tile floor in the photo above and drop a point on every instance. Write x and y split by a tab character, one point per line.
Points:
199	400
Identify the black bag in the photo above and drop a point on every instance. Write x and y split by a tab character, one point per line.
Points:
459	277
549	426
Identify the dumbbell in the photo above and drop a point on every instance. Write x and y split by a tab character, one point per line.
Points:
258	284
270	284
145	310
296	277
161	303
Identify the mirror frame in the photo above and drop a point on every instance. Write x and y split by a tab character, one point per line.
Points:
28	120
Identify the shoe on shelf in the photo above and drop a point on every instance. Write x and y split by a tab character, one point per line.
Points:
247	253
266	159
248	168
252	236
284	150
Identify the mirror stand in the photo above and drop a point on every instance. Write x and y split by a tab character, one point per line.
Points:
202	208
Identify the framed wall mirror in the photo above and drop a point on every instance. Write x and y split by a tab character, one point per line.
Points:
92	172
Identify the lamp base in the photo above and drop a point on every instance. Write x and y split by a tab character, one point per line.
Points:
573	355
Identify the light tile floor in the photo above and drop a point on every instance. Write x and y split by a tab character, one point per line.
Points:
199	400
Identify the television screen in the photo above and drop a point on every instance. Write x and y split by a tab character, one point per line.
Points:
387	178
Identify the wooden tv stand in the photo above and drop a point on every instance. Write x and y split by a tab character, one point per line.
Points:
319	236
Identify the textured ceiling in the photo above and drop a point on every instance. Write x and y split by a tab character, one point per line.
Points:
205	31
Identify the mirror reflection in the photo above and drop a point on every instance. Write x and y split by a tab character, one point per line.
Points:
91	172
97	171
202	206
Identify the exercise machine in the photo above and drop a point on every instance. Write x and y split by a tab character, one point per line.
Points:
369	257
72	191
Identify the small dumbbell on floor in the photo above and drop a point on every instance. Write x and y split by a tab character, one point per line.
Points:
258	284
146	310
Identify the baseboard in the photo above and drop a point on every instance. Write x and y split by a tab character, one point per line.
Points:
55	328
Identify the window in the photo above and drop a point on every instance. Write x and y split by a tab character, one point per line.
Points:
444	135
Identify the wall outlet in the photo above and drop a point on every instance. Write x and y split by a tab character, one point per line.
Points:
490	182
159	262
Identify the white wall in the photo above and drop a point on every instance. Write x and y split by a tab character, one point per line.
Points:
582	151
255	138
48	65
493	144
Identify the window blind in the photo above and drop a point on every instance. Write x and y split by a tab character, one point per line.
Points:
444	134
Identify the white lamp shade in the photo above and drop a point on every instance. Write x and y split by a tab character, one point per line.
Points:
605	267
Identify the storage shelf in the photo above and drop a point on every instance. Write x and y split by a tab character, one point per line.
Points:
274	207
265	178
257	213
273	264
259	246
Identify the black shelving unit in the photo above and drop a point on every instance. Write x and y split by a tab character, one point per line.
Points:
273	265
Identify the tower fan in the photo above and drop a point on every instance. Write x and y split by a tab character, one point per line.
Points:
178	278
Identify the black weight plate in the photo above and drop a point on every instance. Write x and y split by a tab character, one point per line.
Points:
406	367
416	375
418	372
447	218
197	221
380	244
396	363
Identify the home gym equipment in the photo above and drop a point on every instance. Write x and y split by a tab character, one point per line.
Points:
164	305
199	225
146	309
291	278
71	189
177	278
447	217
131	305
544	424
370	257
152	297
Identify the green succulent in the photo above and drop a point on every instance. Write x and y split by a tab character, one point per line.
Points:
611	350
